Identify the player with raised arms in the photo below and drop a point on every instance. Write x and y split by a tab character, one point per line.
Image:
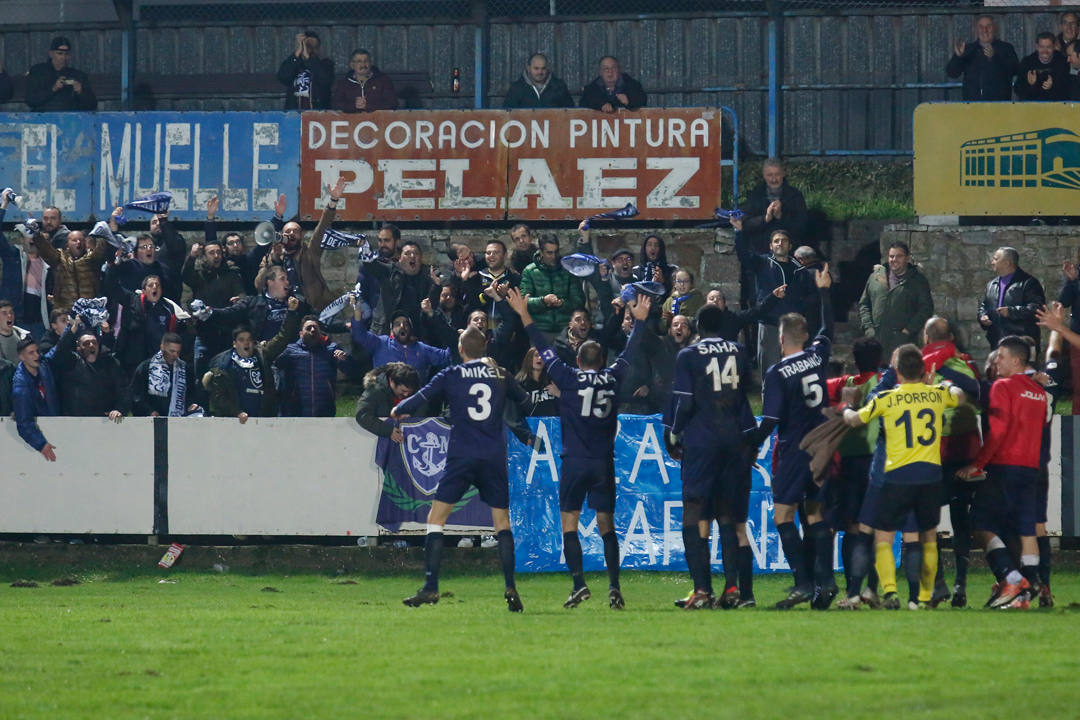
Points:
794	396
589	415
476	392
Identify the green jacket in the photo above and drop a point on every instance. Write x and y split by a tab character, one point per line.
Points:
886	313
538	280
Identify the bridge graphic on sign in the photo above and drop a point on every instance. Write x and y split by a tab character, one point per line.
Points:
1048	158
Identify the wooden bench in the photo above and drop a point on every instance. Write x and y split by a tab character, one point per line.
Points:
150	89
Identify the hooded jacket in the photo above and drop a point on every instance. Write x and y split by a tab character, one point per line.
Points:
887	313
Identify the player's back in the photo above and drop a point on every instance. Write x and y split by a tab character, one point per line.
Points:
912	414
795	393
476	392
709	396
588	411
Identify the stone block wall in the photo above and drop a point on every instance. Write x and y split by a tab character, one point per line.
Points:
956	261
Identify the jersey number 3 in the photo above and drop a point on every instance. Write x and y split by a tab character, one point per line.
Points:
482	410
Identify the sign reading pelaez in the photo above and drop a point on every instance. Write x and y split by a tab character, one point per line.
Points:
523	164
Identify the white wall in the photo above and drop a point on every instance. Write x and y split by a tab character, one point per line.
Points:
102	480
274	476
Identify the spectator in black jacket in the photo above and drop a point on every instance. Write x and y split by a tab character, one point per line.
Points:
538	88
613	89
307	77
773	205
1072	55
263	313
145	318
90	379
7	90
236	255
1044	74
1011	299
163	385
987	64
533	378
443	320
128	275
53	86
634	395
1070	31
215	283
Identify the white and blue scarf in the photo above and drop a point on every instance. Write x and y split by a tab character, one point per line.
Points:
163	383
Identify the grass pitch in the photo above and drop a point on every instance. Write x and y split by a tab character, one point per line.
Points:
310	646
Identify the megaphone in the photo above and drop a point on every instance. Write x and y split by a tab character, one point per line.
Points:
266	233
12	198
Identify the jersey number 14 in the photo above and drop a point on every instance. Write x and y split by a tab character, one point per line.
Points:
729	376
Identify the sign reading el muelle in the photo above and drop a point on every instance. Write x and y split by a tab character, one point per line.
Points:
997	159
492	164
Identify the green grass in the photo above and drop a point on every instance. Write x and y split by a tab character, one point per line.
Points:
221	646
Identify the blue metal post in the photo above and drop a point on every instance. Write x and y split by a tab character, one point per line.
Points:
774	85
479	68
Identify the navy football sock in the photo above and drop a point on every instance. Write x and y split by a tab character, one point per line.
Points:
999	561
694	559
706	562
823	555
574	562
746	572
1044	559
729	553
847	544
961	540
506	555
862	548
611	557
912	568
809	552
793	551
433	547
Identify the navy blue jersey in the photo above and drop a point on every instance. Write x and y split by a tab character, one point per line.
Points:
476	393
794	391
708	399
588	407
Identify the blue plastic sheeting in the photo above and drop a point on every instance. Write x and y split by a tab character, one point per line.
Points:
88	163
648	508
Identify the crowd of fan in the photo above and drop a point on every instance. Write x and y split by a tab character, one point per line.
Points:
989	66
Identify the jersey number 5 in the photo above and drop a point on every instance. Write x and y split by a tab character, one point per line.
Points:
595	402
812	392
482	411
728	376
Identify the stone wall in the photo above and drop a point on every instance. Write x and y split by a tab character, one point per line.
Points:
956	261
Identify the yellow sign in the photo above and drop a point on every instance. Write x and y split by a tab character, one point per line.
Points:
997	158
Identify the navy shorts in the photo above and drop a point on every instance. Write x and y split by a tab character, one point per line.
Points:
1006	502
899	506
1042	495
487	476
732	498
708	471
845	492
587	477
792	481
868	513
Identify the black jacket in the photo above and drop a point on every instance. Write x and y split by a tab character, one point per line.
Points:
89	389
222	386
985	79
793	217
253	311
39	90
143	403
522	95
595	95
1057	68
7	90
1023	296
321	73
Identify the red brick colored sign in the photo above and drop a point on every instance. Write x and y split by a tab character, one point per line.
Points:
521	164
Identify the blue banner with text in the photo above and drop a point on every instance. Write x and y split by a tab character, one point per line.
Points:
86	164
